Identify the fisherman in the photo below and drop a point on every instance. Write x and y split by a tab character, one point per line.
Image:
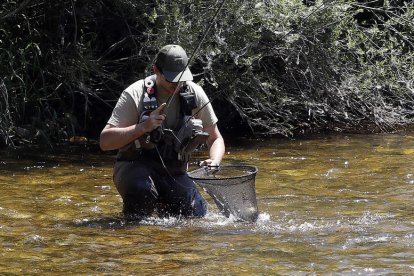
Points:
156	124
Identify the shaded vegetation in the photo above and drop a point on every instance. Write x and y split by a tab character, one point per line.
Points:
270	67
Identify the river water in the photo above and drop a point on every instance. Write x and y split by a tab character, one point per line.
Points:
341	204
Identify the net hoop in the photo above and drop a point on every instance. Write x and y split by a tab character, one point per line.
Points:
201	174
232	188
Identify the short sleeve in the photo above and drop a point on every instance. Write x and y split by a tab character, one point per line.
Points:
125	112
129	106
204	110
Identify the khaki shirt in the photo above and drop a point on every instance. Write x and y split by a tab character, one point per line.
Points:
130	106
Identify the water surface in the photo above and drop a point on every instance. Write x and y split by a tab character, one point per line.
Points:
328	205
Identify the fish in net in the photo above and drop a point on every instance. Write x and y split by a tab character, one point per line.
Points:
232	188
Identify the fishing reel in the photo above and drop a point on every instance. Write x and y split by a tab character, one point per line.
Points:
189	137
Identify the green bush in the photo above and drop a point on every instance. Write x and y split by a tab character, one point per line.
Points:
270	67
287	68
64	63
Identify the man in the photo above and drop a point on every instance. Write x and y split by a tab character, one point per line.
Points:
155	125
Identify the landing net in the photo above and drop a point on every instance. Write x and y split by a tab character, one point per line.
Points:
232	187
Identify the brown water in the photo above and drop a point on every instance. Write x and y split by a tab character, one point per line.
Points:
334	205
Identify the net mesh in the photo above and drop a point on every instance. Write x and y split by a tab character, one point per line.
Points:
232	188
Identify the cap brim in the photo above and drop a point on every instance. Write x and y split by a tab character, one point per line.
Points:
178	76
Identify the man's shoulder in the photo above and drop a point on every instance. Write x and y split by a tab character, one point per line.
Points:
195	87
136	87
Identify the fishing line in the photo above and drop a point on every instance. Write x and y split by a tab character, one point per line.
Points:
169	100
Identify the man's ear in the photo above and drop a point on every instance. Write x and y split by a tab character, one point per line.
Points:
156	70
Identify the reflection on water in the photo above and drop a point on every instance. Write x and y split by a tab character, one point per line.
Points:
338	204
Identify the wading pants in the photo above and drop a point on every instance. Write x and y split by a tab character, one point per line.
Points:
146	188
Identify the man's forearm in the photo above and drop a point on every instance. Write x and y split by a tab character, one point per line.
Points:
217	150
115	138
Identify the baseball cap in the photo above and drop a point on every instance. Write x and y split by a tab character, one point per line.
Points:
172	60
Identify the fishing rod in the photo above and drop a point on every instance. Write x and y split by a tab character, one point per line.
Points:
170	98
157	134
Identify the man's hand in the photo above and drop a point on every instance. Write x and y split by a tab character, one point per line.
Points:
209	163
211	167
155	119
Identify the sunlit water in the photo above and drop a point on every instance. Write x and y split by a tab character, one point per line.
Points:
333	205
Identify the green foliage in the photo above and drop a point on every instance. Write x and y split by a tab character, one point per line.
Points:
287	68
60	59
278	67
380	57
